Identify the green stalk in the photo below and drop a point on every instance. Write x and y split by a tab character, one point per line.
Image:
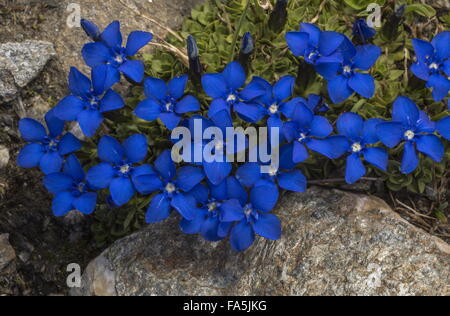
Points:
238	29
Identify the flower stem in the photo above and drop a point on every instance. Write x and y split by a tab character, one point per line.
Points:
238	29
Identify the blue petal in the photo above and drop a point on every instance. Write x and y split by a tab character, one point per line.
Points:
300	153
165	166
350	125
313	31
431	146
257	88
286	154
424	50
110	150
443	127
68	144
321	127
328	70
187	104
347	49
248	174
217	171
62	204
235	190
111	101
329	42
355	169
366	56
339	90
158	210
143	170
421	71
73	168
99	75
69	108
332	147
441	43
410	159
264	196
292	181
234	75
377	157
303	116
137	40
446	69
148	110
284	88
91	29
231	211
219	192
79	84
170	119
31	130
201	193
90	121
188	177
268	226
370	135
289	107
217	106
405	111
136	148
363	84
112	75
54	124
147	184
155	88
194	226
290	131
390	133
215	85
186	205
440	85
30	156
58	182
210	229
424	124
242	236
96	54
177	86
133	69
251	113
122	190
86	203
51	162
224	229
100	176
297	42
112	36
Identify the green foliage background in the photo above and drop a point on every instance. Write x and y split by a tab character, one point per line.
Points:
215	24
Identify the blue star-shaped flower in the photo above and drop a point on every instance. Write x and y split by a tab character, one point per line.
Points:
45	150
109	54
118	170
224	88
416	129
71	189
357	136
88	101
433	65
165	101
172	188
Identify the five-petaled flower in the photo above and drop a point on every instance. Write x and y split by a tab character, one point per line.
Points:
416	129
118	169
88	101
165	101
45	150
109	54
357	137
71	190
433	64
172	189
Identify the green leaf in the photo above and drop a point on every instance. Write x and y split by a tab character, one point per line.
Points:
421	9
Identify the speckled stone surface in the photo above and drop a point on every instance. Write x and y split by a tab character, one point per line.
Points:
333	243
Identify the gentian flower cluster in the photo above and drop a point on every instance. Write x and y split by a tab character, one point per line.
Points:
220	199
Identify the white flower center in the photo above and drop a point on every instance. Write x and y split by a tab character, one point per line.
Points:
231	98
312	55
212	206
273	172
356	147
302	137
248	210
273	109
409	135
125	169
170	188
434	66
119	59
168	107
347	69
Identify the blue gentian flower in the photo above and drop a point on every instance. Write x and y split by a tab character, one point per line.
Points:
433	65
166	101
215	203
416	129
344	78
362	31
359	136
71	190
254	217
224	88
110	54
303	132
443	127
118	170
172	188
314	45
88	101
46	150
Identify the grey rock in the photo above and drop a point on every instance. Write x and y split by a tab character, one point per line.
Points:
7	253
334	243
4	156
